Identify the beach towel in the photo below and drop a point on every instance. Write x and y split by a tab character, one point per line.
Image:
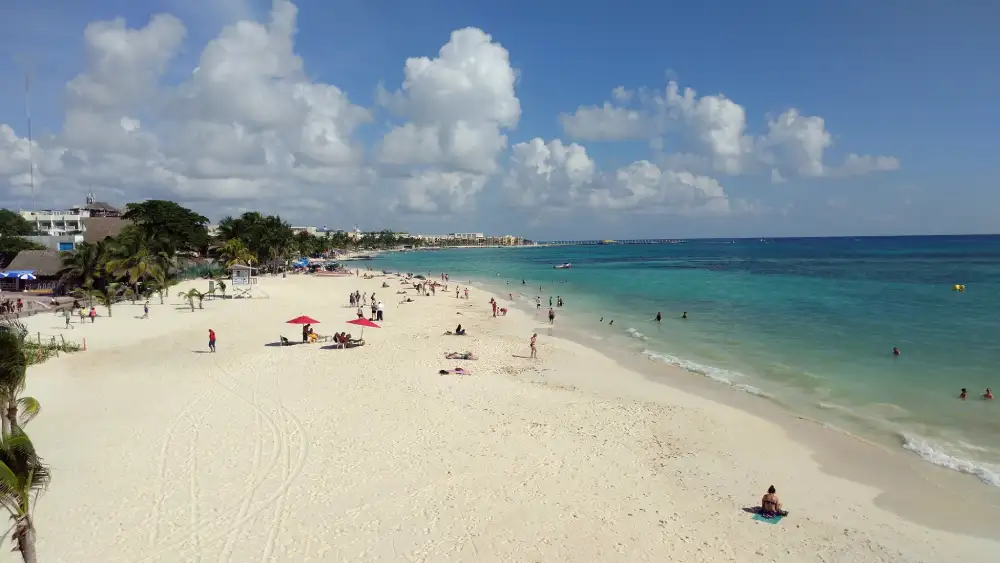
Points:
772	519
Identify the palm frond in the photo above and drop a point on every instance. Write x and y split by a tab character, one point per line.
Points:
27	408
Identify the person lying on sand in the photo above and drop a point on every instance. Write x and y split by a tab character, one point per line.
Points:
460	356
770	505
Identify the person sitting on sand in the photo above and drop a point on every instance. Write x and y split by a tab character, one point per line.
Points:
770	505
459	331
460	356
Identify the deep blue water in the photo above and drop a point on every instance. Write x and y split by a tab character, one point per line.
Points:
809	323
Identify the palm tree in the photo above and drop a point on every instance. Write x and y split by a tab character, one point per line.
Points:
235	251
23	477
85	265
191	295
13	376
161	282
222	288
105	297
133	258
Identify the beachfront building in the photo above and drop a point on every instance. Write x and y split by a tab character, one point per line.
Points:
32	270
308	230
61	243
469	239
73	221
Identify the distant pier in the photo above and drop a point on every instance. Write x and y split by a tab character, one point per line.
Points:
608	242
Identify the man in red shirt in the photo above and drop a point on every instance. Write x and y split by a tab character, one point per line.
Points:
211	340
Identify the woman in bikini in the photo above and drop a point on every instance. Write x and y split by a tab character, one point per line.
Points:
770	505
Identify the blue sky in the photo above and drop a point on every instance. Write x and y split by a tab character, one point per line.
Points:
909	80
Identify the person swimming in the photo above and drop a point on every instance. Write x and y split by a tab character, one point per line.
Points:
895	351
963	394
988	395
612	322
602	320
685	315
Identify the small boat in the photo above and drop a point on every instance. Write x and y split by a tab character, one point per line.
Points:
563	266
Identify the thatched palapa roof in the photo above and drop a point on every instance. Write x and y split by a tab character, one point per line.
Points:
44	263
99	228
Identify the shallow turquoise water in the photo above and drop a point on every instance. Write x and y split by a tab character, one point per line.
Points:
808	322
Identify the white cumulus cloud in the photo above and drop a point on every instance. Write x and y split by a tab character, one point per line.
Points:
457	106
554	175
248	123
247	126
709	133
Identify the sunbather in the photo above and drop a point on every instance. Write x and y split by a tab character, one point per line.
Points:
770	505
460	356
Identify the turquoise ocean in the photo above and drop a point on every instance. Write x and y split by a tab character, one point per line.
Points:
808	323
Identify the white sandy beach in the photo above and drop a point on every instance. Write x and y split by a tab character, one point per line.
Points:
161	452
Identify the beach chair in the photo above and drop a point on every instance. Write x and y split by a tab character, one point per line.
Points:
287	342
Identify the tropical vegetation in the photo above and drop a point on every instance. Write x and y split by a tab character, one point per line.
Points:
23	475
164	240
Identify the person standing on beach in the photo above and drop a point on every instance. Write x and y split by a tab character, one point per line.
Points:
145	310
211	341
534	350
457	291
552	316
69	317
93	314
379	310
550	301
659	317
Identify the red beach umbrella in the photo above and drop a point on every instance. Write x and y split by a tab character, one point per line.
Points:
303	320
362	323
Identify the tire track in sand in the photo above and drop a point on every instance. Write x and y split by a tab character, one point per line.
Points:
180	541
162	465
257	476
279	507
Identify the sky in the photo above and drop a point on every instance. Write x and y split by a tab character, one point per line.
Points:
541	119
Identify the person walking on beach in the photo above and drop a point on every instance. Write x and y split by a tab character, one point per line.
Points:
534	350
457	290
211	341
145	310
93	314
69	317
552	316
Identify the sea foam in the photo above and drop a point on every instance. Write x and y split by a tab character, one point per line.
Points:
934	454
718	375
636	334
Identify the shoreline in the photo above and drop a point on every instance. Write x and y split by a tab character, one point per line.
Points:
264	452
897	474
830	444
877	431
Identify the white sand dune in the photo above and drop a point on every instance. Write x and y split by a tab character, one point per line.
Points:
164	453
